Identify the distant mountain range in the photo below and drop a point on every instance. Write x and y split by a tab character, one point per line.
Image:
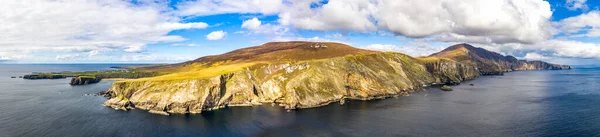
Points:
303	75
491	62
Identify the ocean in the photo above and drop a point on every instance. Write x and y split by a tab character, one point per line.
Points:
522	103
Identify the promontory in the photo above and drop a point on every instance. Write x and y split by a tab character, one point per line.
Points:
303	75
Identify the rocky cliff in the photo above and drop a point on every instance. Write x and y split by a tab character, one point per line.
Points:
290	74
492	63
84	80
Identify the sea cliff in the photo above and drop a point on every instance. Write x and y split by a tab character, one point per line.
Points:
231	80
84	80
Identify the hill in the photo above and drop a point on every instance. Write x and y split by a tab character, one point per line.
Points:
300	75
489	62
269	52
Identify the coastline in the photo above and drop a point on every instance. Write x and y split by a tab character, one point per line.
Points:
215	82
292	86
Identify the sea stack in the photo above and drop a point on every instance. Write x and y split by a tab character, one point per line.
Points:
84	80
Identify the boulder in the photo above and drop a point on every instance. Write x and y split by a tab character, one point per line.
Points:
446	88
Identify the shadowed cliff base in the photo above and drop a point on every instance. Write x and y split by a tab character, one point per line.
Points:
303	75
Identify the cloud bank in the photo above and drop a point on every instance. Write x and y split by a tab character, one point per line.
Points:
88	28
85	26
497	21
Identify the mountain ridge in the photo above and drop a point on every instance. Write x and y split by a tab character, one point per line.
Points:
299	75
492	63
292	51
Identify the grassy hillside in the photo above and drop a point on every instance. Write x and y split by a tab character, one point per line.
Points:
300	75
490	62
269	53
273	52
96	74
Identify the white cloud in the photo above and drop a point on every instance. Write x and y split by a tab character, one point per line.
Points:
214	7
587	24
4	58
255	26
534	56
335	15
90	28
216	35
251	24
135	48
415	49
576	4
67	57
85	26
501	21
550	48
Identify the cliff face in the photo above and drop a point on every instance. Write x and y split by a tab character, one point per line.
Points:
292	85
84	80
491	63
332	72
540	65
450	72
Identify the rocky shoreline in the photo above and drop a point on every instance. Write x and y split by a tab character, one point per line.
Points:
310	83
292	86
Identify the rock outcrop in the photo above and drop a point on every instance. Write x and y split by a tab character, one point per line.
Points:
285	78
446	88
491	63
84	80
291	85
45	76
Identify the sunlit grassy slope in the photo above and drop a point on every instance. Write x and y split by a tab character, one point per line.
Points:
273	52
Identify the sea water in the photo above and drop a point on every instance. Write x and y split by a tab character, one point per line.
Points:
522	103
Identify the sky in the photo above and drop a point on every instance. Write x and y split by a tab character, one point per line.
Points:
171	31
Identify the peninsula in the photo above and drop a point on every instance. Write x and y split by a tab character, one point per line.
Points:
303	75
90	77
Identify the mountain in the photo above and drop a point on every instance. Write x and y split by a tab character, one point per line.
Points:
270	52
491	63
299	75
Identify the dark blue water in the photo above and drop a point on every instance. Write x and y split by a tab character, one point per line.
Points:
526	103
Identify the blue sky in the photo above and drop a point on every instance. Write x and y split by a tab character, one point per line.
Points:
164	31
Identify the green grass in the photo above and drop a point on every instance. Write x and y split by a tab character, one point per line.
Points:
200	73
94	74
88	77
274	52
